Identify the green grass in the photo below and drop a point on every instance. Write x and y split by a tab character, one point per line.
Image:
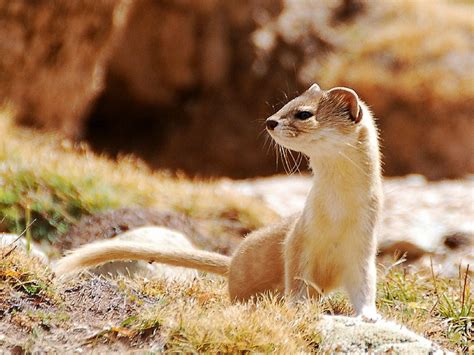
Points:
52	201
439	308
26	275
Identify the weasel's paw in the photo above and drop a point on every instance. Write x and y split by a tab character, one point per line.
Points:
370	316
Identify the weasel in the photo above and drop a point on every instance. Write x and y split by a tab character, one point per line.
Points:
331	244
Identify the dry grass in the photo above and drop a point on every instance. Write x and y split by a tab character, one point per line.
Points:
198	317
26	275
58	183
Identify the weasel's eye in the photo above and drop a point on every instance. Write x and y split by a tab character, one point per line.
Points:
303	115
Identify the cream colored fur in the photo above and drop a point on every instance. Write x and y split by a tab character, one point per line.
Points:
333	243
146	243
330	245
160	237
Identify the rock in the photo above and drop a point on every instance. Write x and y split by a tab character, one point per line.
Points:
422	213
284	194
14	241
459	240
351	335
191	106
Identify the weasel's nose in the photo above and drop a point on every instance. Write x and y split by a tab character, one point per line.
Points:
271	124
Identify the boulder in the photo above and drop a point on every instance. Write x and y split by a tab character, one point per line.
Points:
346	335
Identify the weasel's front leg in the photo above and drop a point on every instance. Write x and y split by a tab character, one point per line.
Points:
361	285
295	288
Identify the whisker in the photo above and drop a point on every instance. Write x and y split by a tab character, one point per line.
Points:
297	161
268	144
284	160
354	163
262	132
291	169
287	164
294	167
277	154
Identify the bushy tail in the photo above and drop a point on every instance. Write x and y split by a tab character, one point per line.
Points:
101	252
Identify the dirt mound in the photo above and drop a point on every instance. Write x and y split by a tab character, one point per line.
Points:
111	223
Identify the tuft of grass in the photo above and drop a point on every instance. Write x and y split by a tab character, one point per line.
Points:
439	308
55	182
198	317
26	275
42	319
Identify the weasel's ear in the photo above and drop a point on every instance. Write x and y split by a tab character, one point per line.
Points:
349	98
314	89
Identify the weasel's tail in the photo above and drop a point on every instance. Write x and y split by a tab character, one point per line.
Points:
101	252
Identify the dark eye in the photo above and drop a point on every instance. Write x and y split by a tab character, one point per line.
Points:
303	115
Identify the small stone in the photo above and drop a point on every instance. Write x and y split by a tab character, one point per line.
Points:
458	239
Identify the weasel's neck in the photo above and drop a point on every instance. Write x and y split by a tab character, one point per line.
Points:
348	170
345	184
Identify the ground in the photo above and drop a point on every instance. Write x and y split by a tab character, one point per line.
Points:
48	185
95	313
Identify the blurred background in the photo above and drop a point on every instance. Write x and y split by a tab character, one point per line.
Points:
186	84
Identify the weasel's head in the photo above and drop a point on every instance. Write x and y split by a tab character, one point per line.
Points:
318	121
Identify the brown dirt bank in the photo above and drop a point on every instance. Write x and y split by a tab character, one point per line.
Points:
184	84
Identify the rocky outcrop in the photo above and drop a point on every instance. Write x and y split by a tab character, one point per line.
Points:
52	57
183	91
